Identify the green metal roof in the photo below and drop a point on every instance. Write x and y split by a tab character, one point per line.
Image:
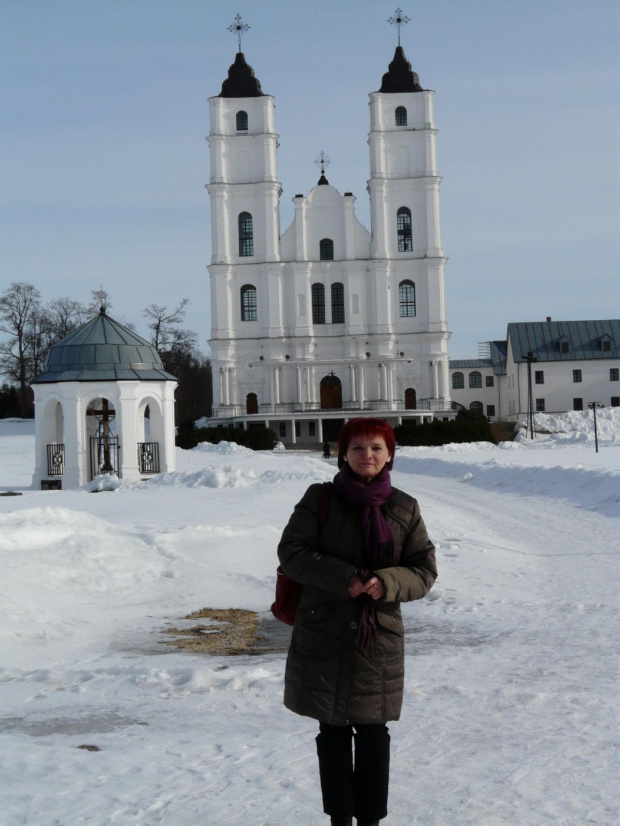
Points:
468	364
103	350
584	338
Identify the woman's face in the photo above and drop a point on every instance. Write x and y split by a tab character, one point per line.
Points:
367	456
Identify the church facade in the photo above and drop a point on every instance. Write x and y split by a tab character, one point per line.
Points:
328	320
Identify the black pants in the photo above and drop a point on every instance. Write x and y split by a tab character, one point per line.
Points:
357	789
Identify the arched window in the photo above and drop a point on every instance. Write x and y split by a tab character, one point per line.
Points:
242	121
246	234
249	310
337	303
326	249
318	304
406	299
401	116
403	225
475	379
476	407
458	381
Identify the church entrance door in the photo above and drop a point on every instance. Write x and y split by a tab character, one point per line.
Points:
410	399
251	403
331	392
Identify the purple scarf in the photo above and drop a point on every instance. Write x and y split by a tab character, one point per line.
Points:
378	550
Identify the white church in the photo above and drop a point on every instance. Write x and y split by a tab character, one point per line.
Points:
327	321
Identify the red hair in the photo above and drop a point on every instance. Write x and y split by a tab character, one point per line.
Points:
366	427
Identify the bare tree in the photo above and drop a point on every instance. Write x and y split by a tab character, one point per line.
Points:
99	298
166	335
20	309
63	316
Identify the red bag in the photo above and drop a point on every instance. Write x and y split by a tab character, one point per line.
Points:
287	598
288	591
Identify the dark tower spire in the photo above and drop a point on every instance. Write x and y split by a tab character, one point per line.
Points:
400	77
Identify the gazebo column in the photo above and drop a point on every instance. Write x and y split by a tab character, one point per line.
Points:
168	447
76	456
127	430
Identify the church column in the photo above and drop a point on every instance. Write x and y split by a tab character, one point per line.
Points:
300	386
390	383
230	381
352	382
445	386
362	388
435	379
276	379
293	432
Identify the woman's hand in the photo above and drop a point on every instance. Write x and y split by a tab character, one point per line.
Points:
374	587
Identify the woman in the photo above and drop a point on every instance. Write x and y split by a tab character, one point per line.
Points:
345	665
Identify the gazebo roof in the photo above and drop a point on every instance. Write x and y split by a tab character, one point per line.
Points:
102	350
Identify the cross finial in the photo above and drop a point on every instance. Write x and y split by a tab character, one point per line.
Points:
238	26
322	160
398	21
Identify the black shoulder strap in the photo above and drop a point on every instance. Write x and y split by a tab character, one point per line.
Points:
326	489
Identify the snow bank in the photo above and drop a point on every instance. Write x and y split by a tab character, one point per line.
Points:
223	448
579	422
592	488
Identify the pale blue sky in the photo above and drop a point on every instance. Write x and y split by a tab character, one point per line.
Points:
103	160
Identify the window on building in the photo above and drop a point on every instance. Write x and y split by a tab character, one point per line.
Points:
605	345
615	401
337	303
326	249
282	430
311	428
539	376
576	376
403	226
401	116
318	304
242	121
297	429
614	374
488	381
577	404
477	407
249	310
458	381
540	405
406	299
490	410
246	235
475	379
564	347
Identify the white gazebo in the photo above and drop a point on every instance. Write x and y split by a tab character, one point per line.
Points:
103	404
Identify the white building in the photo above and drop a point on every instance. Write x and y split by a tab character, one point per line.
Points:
327	321
572	363
103	404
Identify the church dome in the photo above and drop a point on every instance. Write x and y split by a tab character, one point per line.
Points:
102	350
400	77
241	81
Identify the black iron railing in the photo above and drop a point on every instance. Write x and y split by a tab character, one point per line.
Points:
148	457
55	460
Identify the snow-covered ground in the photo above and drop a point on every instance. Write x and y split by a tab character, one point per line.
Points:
511	660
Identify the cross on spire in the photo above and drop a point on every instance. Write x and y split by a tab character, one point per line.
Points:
398	21
238	27
322	160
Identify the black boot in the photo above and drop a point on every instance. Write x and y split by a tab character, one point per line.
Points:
335	751
372	773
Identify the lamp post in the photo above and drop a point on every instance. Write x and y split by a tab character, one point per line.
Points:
530	358
593	406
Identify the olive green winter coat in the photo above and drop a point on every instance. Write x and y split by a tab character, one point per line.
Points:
327	676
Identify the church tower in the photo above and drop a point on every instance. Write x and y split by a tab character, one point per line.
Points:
244	193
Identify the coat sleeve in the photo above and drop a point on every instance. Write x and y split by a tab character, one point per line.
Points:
416	572
299	555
